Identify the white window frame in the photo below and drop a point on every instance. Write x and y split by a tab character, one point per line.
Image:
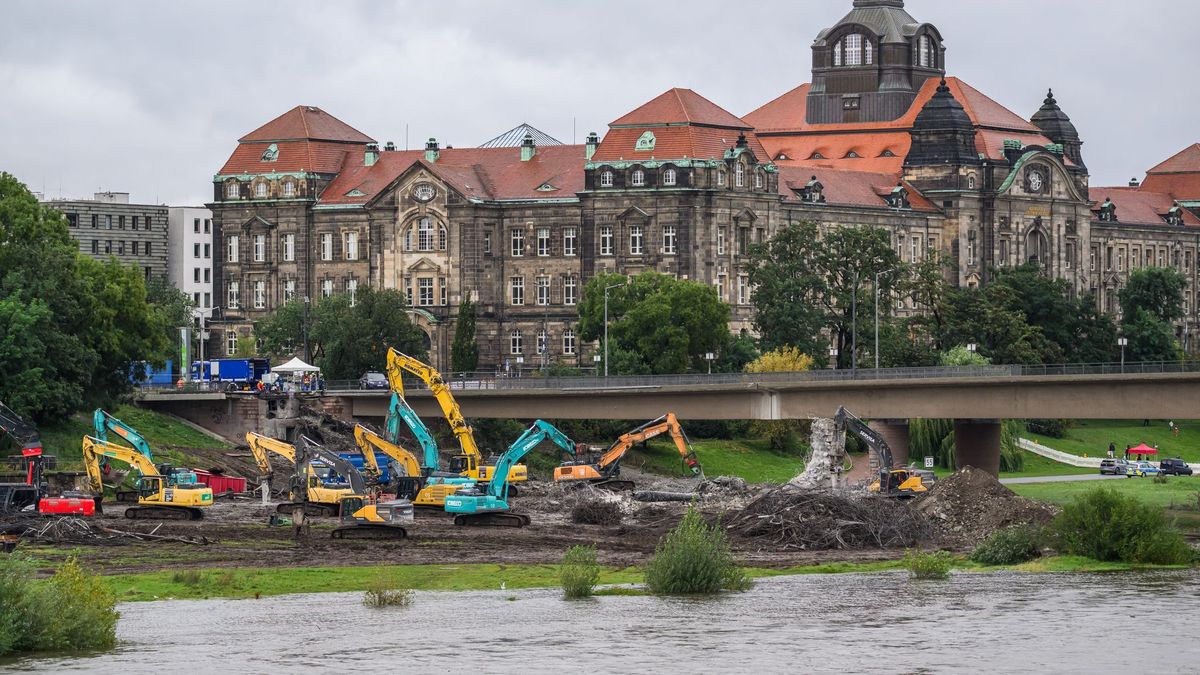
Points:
721	178
289	248
758	180
516	342
326	246
743	289
670	177
606	240
721	283
443	291
721	237
232	248
327	288
540	343
289	189
669	240
260	189
260	248
351	245
637	178
516	291
352	290
231	342
543	242
233	295
854	51
542	285
570	241
425	291
739	175
260	295
570	288
569	342
425	234
517	243
289	290
606	178
637	240
233	190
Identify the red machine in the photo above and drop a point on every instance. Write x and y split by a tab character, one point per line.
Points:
16	497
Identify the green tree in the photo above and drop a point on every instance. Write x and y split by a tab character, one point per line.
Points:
1150	338
737	351
805	284
981	316
657	323
346	340
464	352
171	304
1158	290
961	356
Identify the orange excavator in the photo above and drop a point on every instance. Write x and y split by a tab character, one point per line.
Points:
605	471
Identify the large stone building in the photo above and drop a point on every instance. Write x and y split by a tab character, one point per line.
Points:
108	226
307	206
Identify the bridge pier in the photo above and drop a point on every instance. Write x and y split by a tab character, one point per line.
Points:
895	433
977	444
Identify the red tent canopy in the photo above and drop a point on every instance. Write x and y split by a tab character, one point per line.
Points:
1143	449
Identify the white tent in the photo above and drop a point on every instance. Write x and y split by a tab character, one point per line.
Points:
296	366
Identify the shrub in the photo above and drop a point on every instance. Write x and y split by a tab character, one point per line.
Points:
1160	479
934	565
1051	428
385	591
1010	546
579	572
188	577
694	559
71	610
1106	525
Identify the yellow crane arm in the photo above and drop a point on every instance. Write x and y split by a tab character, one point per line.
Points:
94	449
369	441
397	363
259	447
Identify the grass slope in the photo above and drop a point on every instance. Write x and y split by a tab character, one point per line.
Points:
749	459
1179	491
1091	437
63	440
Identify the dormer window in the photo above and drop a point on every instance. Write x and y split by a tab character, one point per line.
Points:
887	153
638	179
670	177
758	180
813	192
1174	216
852	155
739	175
898	198
721	178
853	50
925	55
260	190
289	189
816	155
233	190
606	178
1108	211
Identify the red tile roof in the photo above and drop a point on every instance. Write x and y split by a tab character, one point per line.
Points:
478	173
782	128
1139	206
306	122
686	142
293	157
681	106
850	188
1178	176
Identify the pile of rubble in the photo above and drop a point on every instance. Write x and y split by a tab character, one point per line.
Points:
71	530
971	504
792	518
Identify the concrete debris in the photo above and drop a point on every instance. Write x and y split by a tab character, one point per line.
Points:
971	504
793	518
824	467
724	487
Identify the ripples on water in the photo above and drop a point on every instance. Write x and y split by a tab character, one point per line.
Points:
879	623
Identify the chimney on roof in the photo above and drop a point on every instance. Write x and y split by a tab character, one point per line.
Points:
371	155
1134	182
741	141
431	151
593	142
528	147
389	147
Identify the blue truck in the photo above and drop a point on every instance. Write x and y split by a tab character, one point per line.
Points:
231	374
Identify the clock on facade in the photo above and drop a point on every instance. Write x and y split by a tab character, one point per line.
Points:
1036	181
424	192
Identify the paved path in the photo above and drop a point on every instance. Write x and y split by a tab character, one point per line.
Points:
1059	479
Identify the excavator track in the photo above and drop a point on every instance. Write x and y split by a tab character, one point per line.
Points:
310	509
370	532
163	513
506	519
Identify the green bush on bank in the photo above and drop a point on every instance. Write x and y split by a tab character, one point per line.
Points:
579	572
694	559
72	610
934	565
386	591
1105	525
1010	546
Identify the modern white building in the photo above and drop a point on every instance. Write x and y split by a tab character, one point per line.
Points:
190	242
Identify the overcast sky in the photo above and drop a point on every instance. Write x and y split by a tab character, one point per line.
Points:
150	97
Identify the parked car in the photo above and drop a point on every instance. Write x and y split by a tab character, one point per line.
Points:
1174	467
1134	469
373	380
1143	469
1113	467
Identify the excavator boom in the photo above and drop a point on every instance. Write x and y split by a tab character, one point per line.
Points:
892	482
368	442
399	411
399	363
155	498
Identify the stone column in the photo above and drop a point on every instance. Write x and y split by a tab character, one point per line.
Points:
977	444
895	434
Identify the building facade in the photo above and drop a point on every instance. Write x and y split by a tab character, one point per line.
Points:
189	233
307	206
108	227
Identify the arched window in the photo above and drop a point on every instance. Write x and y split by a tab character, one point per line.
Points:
233	190
721	178
739	175
606	178
925	55
260	189
425	234
442	237
289	189
854	49
758	180
868	53
638	178
971	181
669	177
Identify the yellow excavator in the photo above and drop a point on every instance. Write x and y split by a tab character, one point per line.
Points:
604	472
156	498
470	463
899	483
413	484
319	498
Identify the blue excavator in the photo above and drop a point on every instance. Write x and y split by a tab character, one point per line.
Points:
489	506
103	423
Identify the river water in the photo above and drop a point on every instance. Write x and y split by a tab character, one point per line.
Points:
876	623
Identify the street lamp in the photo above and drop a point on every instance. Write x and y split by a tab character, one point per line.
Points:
833	356
201	314
1123	342
596	360
606	290
710	357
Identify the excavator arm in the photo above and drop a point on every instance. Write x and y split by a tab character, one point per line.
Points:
261	445
398	364
666	424
849	422
309	450
533	436
368	442
400	411
104	422
23	433
95	448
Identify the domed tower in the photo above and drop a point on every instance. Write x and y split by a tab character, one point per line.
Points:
1055	124
943	134
870	66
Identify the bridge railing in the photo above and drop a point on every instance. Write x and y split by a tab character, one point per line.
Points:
534	379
